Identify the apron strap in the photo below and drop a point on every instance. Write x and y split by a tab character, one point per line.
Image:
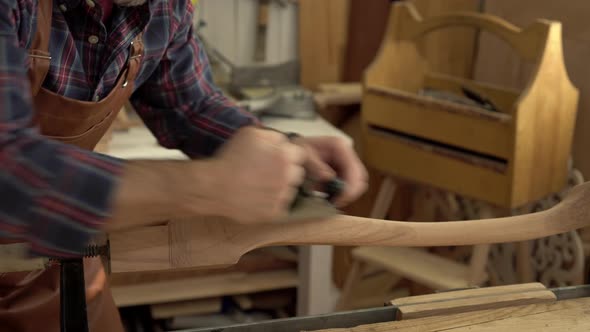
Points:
134	59
39	51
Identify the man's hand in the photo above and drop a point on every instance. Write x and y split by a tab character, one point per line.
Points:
253	179
328	157
257	174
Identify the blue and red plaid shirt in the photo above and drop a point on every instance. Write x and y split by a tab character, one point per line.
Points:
56	196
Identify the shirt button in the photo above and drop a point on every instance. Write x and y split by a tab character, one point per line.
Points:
96	98
63	7
90	3
93	39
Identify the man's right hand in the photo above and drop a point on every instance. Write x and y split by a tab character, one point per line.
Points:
253	179
256	175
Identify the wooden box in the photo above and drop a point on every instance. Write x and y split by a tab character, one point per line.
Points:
510	157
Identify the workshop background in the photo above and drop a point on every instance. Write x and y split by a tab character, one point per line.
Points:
300	65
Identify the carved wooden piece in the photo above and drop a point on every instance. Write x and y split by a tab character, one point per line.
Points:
210	242
555	261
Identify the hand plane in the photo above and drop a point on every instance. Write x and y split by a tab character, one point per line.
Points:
316	203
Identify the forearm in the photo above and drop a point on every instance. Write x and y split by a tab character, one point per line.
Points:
181	104
150	192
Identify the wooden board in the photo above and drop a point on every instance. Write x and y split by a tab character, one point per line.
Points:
323	27
448	169
443	304
569	315
415	264
262	260
202	287
185	308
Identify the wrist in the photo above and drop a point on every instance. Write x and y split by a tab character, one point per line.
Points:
290	135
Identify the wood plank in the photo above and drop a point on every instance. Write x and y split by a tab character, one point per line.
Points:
323	30
372	301
203	287
472	300
409	162
379	283
573	321
352	87
485	291
418	265
337	94
185	308
261	260
545	127
570	315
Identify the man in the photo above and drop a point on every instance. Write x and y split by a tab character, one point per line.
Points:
66	67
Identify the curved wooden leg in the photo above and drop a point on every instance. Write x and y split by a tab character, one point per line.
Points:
379	211
353	278
384	199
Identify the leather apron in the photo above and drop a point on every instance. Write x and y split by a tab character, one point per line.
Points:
29	301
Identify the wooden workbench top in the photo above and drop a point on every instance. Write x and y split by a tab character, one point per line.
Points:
567	315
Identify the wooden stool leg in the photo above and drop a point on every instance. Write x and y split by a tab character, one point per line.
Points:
478	264
384	199
353	278
523	261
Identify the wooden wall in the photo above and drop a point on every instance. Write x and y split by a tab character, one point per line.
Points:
231	28
449	51
323	35
497	64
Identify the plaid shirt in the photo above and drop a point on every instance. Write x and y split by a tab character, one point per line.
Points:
56	196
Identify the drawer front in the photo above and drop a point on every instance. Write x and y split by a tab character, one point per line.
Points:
476	180
437	121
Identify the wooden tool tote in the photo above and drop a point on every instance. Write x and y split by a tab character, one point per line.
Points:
508	157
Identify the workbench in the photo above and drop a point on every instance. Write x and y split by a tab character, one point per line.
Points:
563	309
316	294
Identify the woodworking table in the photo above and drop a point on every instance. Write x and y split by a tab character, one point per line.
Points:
532	309
316	294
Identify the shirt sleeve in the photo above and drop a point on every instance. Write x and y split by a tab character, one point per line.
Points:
52	195
181	105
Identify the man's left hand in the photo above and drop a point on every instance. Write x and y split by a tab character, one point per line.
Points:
328	157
